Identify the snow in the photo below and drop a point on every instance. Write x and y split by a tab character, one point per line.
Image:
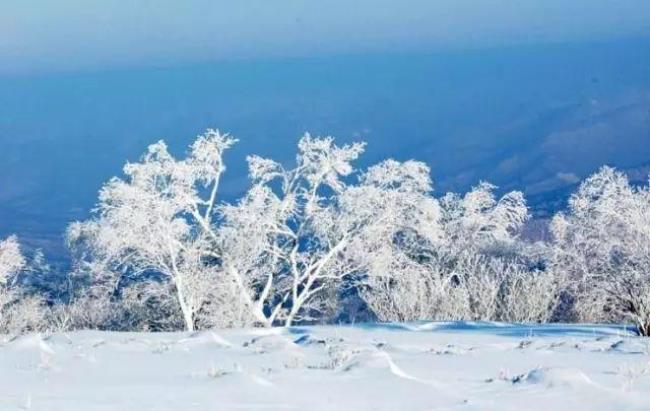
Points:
412	366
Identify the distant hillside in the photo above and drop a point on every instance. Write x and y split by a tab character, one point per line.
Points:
534	118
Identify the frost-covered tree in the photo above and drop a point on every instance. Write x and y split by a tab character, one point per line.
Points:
158	221
492	269
602	245
396	197
11	263
288	239
480	220
11	260
19	311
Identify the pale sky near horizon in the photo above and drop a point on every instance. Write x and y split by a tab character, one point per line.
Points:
77	35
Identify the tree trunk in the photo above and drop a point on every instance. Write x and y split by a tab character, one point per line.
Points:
188	318
255	307
295	307
289	320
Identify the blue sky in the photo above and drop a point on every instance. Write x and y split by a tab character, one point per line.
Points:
72	35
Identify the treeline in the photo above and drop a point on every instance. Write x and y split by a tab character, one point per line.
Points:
324	242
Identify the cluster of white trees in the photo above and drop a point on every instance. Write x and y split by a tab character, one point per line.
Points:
468	264
162	251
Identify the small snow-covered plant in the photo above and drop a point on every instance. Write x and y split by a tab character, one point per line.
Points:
147	306
631	373
23	313
86	299
602	246
83	312
158	220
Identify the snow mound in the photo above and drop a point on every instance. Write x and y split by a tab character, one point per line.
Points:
210	339
31	342
556	377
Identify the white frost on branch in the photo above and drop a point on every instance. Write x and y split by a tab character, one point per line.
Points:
602	246
285	242
158	219
479	218
450	259
11	260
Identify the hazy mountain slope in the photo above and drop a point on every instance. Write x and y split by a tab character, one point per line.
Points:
537	118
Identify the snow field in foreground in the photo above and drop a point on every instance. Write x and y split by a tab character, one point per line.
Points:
414	366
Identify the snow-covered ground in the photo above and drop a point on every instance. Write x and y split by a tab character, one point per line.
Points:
423	366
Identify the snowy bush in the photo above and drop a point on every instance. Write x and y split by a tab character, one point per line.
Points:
468	287
141	306
528	296
19	311
23	313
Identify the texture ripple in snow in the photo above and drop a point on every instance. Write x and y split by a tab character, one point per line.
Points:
414	366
